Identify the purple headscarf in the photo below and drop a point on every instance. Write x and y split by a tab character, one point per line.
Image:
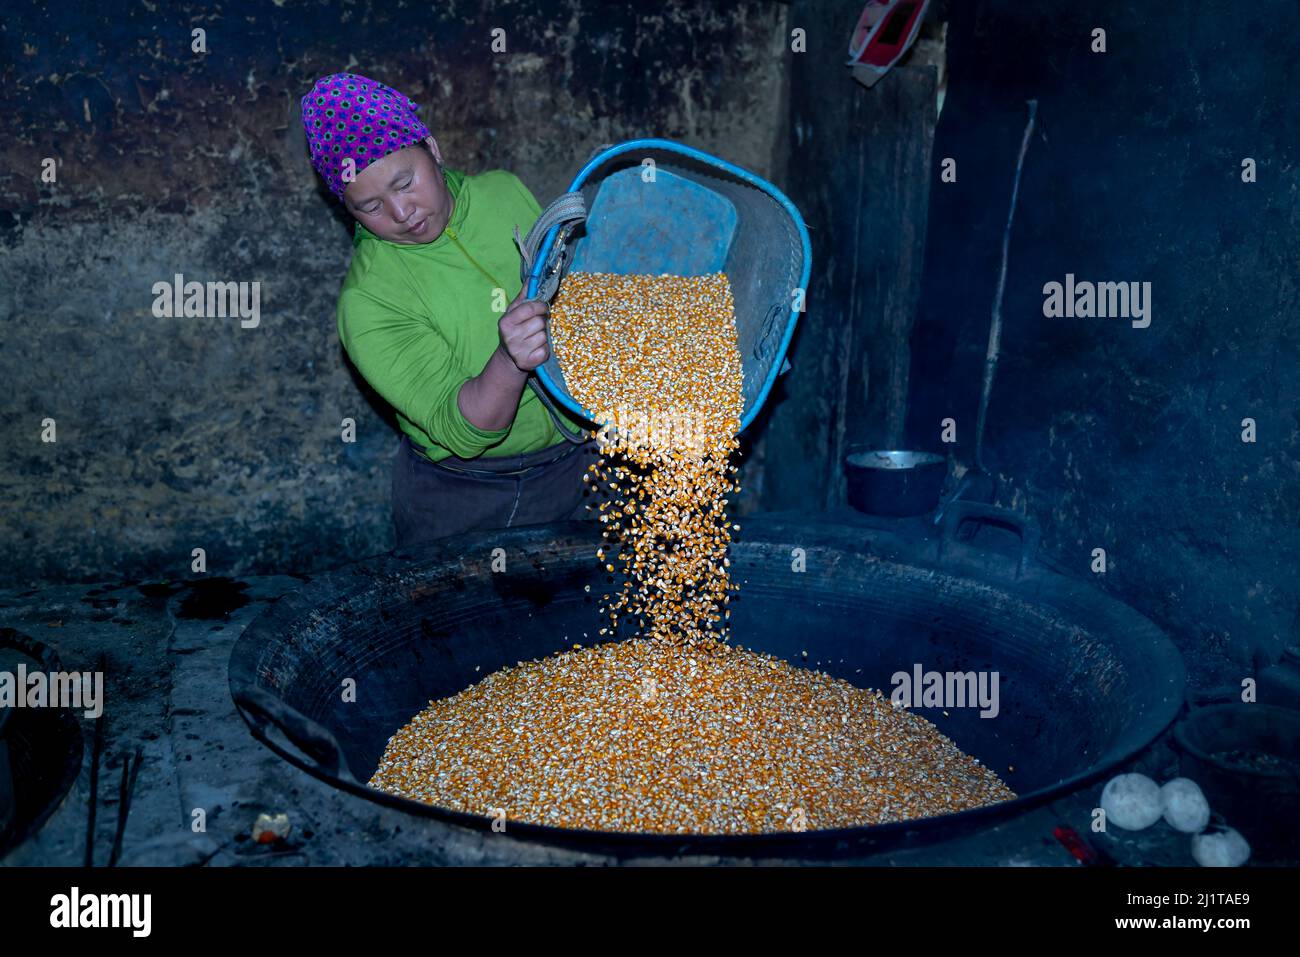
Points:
347	116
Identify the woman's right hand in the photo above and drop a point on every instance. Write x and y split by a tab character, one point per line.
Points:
523	332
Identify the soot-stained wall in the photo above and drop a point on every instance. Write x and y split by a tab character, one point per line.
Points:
859	168
1110	435
174	434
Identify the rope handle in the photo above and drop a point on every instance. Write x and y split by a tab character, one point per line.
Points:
568	211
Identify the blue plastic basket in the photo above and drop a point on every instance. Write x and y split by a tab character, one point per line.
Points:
700	215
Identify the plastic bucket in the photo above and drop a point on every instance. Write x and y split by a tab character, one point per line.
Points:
654	207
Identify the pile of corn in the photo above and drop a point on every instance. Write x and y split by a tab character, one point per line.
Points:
673	730
640	735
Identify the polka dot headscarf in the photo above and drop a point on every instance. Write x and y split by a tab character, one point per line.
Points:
347	116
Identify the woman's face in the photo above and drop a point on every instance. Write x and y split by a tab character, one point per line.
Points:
402	197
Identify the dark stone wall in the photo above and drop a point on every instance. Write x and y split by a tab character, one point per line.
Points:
1111	436
182	433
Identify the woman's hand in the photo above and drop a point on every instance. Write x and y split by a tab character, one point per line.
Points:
523	333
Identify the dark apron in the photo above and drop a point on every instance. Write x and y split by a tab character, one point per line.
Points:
435	499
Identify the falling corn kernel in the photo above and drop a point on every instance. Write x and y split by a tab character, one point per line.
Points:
658	357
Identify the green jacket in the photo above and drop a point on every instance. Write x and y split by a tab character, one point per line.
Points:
417	320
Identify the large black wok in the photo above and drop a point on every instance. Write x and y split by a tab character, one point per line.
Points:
1085	682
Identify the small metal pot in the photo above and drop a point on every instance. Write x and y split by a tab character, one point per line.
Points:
891	482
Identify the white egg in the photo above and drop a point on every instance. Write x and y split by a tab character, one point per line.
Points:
1184	806
1131	801
1225	848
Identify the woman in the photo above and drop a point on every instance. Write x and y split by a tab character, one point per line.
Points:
420	316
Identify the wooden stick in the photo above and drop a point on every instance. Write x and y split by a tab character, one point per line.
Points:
995	327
